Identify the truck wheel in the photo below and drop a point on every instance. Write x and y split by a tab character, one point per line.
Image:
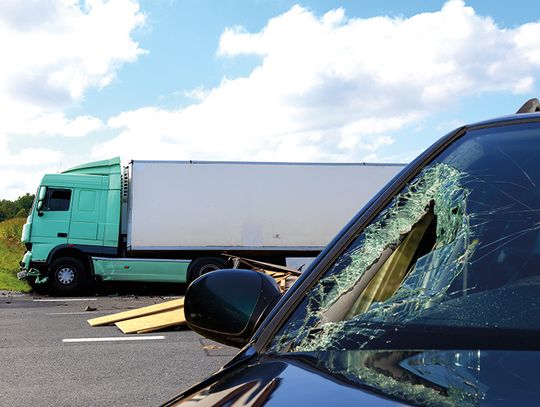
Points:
204	265
68	276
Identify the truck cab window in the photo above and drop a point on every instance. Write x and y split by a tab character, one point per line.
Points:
57	200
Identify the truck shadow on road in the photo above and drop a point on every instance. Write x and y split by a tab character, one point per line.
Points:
129	288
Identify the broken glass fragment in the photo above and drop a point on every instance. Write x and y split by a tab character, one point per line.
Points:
436	194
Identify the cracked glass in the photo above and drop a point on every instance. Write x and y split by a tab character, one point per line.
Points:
452	262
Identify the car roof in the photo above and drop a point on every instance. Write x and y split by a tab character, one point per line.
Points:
505	119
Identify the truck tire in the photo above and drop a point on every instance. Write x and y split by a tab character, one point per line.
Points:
68	276
204	265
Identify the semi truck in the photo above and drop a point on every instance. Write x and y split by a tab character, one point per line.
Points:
172	221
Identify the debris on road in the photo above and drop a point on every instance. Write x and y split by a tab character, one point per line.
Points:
150	324
153	322
171	313
284	276
212	347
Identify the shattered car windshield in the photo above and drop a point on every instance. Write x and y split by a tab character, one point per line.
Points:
457	251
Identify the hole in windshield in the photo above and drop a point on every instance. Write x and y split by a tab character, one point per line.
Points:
402	263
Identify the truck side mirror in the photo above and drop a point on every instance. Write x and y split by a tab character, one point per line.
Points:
42	193
41	196
228	305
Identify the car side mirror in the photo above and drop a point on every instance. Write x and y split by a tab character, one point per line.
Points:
228	305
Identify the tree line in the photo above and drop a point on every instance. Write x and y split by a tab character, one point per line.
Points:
20	207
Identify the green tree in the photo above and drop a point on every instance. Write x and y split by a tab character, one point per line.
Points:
17	208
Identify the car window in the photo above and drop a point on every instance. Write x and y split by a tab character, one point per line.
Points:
460	239
454	255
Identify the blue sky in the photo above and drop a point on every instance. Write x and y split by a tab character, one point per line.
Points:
182	38
252	80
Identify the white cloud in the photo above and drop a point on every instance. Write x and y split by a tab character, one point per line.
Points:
199	93
57	50
335	88
18	173
54	58
53	51
57	124
14	183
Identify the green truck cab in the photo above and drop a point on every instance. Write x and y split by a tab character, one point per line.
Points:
76	215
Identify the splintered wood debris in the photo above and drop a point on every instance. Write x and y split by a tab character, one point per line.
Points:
146	319
171	313
152	322
138	312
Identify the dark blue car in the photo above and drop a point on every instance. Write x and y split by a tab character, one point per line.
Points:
429	296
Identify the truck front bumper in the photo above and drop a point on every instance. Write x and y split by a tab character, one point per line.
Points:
25	267
28	273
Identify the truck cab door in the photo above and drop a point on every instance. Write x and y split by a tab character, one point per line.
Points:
51	225
85	217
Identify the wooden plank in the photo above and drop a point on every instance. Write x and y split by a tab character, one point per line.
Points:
139	312
153	322
251	262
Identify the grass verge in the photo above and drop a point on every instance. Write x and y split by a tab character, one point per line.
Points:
11	251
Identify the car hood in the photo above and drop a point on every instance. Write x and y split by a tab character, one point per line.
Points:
376	378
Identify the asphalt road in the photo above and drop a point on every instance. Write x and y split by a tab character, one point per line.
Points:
39	368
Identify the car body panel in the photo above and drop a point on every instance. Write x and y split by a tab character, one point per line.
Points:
376	378
279	382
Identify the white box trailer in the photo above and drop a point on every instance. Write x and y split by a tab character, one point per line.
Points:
290	208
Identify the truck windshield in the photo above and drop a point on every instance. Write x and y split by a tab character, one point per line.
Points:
455	255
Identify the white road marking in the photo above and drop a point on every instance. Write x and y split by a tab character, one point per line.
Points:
73	313
172	297
112	339
65	299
